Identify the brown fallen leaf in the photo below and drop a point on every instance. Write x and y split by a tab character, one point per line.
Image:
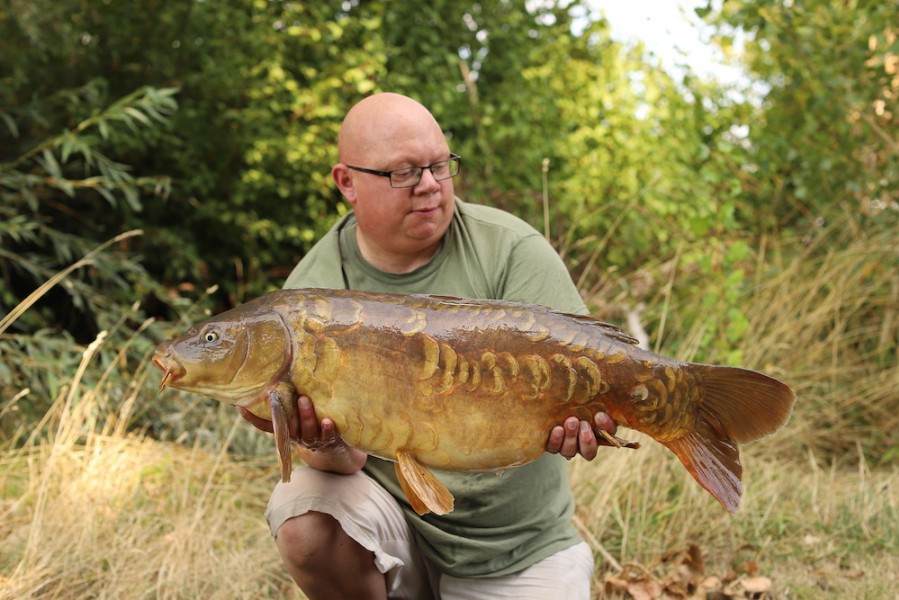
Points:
644	590
685	579
756	585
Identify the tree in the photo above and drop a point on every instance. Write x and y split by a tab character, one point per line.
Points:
825	135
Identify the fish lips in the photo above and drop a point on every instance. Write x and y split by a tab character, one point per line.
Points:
172	370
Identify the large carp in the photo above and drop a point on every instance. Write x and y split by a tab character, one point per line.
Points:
466	385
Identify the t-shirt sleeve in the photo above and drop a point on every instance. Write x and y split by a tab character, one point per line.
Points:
536	274
321	267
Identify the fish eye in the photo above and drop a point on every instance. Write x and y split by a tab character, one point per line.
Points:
211	336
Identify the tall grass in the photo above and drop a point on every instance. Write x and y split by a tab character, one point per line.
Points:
91	509
821	511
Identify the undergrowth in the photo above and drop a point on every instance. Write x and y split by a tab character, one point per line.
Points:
92	506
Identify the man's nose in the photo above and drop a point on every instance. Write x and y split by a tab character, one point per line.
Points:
428	181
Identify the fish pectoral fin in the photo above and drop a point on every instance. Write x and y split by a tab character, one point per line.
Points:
425	492
281	431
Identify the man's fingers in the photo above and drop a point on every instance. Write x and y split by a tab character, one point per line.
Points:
554	443
569	442
605	422
575	437
587	441
259	423
309	429
329	431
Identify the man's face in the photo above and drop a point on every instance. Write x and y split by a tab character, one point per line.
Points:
403	221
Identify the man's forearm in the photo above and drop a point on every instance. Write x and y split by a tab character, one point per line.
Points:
341	459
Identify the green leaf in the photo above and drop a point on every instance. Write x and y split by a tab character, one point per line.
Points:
132	197
10	124
138	115
107	194
49	163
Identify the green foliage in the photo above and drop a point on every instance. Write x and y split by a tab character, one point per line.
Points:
56	290
826	130
50	193
657	191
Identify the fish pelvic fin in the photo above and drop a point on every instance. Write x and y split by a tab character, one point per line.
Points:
425	492
281	431
735	406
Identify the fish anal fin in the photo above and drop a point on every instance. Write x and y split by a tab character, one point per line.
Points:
278	399
424	491
714	461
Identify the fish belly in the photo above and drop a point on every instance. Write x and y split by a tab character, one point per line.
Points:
467	390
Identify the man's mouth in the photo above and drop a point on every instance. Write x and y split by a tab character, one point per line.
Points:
426	210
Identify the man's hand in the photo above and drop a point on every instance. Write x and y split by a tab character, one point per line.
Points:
575	437
321	446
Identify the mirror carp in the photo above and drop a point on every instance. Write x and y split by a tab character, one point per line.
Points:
434	382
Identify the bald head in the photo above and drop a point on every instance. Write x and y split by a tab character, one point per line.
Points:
398	229
380	123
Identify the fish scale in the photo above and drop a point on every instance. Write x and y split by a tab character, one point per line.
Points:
435	382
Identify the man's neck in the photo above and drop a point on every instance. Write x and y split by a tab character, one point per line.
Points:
392	262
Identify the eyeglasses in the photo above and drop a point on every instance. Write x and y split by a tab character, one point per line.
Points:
411	176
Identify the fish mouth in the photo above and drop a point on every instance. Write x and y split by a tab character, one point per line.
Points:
171	369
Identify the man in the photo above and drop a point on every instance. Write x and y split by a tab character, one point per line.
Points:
343	526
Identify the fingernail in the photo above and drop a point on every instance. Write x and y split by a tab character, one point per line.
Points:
571	425
585	426
305	404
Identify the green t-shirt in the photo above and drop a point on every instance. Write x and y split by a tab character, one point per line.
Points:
501	523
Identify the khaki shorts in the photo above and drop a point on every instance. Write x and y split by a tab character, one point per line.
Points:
371	517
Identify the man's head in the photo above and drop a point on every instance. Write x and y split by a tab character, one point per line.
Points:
399	228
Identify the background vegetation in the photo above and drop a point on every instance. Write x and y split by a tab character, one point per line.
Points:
160	160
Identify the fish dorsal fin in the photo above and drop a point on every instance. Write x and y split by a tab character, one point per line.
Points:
424	491
607	329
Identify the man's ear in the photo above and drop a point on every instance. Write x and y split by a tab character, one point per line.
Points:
342	177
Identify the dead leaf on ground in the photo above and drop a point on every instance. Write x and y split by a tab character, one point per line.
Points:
686	580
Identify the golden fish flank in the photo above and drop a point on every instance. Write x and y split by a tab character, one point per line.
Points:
426	380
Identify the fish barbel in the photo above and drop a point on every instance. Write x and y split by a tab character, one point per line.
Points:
434	382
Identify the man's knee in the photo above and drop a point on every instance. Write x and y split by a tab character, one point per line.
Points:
317	552
307	538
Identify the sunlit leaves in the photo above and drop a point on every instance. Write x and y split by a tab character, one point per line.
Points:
819	139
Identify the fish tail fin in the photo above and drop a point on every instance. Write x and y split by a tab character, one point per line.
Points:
713	461
735	406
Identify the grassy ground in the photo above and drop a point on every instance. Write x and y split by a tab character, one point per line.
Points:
88	510
104	514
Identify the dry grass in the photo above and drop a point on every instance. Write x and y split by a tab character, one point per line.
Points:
816	531
122	517
88	510
98	515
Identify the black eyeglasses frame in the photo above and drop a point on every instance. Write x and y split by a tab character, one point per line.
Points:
453	159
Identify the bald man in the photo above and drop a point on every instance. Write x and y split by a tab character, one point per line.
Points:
343	525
